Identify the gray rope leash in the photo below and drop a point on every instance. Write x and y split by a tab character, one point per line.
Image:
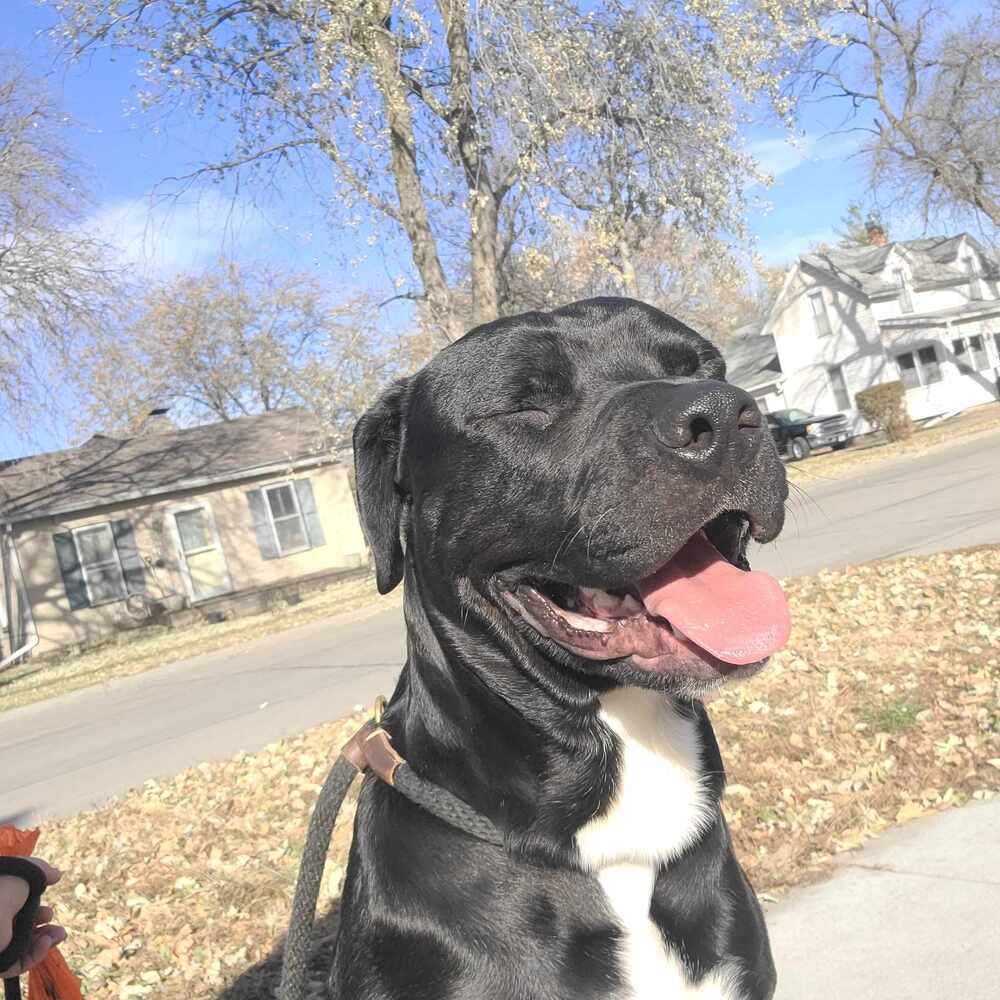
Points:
295	960
447	807
371	748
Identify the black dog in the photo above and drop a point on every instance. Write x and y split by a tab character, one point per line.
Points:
556	489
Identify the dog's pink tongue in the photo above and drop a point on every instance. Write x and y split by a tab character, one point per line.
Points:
738	616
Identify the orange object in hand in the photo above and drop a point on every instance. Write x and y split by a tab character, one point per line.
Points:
50	979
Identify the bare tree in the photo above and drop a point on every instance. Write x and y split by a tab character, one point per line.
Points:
231	342
931	83
55	278
688	277
469	127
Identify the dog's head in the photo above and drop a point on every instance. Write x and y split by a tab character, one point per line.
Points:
585	482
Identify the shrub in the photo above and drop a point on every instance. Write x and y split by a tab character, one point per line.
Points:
884	406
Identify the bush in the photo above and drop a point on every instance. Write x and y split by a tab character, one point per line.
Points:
884	406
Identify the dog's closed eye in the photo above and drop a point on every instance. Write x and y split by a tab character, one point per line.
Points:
524	414
533	415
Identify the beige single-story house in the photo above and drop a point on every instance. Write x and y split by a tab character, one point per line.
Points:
122	531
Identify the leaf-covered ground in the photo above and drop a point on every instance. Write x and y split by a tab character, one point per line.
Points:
886	705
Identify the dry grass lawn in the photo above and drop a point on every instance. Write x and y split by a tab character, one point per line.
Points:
35	680
885	706
854	460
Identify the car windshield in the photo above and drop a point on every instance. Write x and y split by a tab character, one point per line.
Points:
792	416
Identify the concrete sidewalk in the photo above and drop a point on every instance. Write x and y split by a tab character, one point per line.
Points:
915	914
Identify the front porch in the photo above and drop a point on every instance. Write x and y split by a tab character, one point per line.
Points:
947	364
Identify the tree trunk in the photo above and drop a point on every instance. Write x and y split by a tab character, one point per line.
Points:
484	204
483	246
413	214
981	199
630	282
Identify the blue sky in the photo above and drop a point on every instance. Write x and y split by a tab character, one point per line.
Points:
125	155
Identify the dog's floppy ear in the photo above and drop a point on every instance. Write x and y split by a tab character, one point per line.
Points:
377	442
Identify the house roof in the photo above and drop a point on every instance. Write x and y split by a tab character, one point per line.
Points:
751	359
108	470
932	260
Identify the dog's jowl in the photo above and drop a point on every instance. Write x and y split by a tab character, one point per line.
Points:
568	497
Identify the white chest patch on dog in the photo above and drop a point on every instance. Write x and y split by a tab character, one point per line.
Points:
660	805
659	808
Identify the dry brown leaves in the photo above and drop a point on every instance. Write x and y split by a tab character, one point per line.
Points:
886	705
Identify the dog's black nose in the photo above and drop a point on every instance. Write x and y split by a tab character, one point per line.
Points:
698	419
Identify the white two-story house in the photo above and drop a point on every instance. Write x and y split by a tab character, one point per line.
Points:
924	311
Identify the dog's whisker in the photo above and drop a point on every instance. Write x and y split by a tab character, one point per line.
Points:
806	498
564	545
593	528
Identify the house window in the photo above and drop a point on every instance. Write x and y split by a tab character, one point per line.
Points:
102	569
970	354
285	518
930	367
971	271
903	284
194	531
822	320
979	358
917	368
99	563
838	384
907	364
961	349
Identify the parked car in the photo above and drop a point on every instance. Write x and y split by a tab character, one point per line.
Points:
798	433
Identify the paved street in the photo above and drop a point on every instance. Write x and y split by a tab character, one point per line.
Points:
948	499
74	752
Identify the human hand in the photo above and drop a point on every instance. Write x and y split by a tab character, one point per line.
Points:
13	896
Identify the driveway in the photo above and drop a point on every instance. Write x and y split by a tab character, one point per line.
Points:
74	752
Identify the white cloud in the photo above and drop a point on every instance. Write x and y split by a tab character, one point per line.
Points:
161	237
780	156
783	247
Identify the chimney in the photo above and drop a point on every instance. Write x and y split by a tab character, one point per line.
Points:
155	422
876	232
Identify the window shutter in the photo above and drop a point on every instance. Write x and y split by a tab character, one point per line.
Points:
310	515
262	525
72	573
133	568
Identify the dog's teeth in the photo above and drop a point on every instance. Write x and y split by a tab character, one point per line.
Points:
609	605
630	606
